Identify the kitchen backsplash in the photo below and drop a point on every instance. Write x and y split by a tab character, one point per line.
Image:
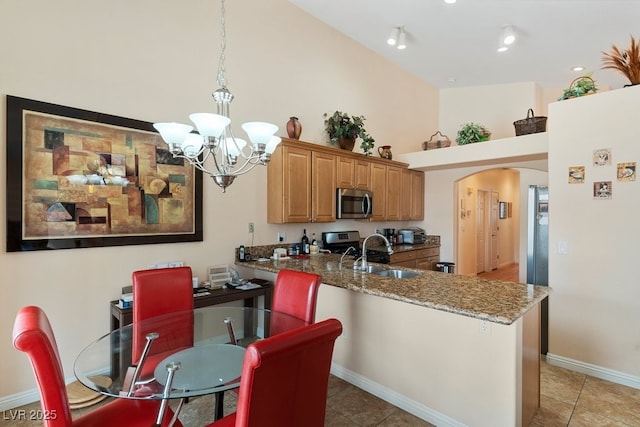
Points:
266	251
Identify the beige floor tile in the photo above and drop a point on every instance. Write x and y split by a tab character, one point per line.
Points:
335	419
560	384
552	413
590	419
613	401
400	418
360	407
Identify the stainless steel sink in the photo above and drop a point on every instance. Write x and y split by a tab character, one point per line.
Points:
398	274
375	269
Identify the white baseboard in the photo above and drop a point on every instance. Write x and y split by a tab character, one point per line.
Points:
395	398
19	399
594	371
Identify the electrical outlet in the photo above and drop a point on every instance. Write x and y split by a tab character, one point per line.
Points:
485	327
281	236
250	227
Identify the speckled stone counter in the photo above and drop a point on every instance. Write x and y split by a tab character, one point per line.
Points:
493	300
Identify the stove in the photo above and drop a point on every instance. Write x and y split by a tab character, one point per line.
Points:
339	241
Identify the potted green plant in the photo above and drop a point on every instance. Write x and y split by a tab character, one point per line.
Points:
472	132
626	61
344	129
581	86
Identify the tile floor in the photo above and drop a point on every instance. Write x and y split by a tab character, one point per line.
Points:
568	399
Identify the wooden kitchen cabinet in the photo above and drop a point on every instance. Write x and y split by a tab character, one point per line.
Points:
301	186
302	179
416	205
394	193
403	259
379	189
353	173
323	187
425	258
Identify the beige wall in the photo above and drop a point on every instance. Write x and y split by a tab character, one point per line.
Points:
594	311
157	61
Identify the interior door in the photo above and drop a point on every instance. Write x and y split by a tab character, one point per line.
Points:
481	241
493	257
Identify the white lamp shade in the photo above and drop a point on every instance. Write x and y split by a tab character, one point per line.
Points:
192	145
259	132
272	144
173	133
209	124
234	149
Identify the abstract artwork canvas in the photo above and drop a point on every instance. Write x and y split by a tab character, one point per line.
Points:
78	178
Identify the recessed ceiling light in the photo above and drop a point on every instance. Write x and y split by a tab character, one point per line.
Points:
508	35
503	49
402	40
393	37
449	1
577	68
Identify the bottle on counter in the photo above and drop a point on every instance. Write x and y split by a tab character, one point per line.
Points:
314	249
304	244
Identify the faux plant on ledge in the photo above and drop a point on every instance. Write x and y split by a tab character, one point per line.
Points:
344	129
472	132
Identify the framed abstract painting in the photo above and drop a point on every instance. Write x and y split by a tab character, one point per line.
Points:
81	179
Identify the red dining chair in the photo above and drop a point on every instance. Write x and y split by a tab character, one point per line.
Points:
33	335
295	293
285	378
159	292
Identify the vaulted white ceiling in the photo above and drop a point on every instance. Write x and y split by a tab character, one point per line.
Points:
455	45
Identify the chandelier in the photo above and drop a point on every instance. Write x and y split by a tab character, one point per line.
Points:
214	149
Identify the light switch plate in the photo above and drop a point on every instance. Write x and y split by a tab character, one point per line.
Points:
563	247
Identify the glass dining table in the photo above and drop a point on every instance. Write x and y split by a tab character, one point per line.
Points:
179	355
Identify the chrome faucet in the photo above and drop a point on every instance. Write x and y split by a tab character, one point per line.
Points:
345	253
363	263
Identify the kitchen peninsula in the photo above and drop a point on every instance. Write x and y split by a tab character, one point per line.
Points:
452	349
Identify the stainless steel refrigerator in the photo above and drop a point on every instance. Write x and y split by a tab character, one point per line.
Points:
538	252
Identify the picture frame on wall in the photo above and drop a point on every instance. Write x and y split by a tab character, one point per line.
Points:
79	179
502	210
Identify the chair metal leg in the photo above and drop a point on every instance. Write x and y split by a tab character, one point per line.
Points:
145	352
232	335
219	412
172	367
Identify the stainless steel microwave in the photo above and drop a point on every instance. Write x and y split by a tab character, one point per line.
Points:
352	203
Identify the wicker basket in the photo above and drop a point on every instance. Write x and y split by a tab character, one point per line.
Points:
530	124
442	141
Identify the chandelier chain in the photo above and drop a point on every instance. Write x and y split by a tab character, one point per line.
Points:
222	81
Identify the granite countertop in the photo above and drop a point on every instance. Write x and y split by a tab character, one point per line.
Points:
493	300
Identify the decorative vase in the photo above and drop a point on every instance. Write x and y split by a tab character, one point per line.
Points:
385	152
294	128
346	143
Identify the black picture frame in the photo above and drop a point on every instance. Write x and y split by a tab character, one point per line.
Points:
178	184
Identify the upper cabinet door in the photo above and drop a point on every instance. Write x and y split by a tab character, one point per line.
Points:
363	175
394	185
379	189
417	195
323	184
289	186
345	172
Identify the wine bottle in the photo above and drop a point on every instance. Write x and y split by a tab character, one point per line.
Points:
304	246
313	240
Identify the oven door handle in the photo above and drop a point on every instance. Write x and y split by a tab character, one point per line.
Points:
366	205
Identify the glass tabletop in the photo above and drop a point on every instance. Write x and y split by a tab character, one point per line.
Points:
201	350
